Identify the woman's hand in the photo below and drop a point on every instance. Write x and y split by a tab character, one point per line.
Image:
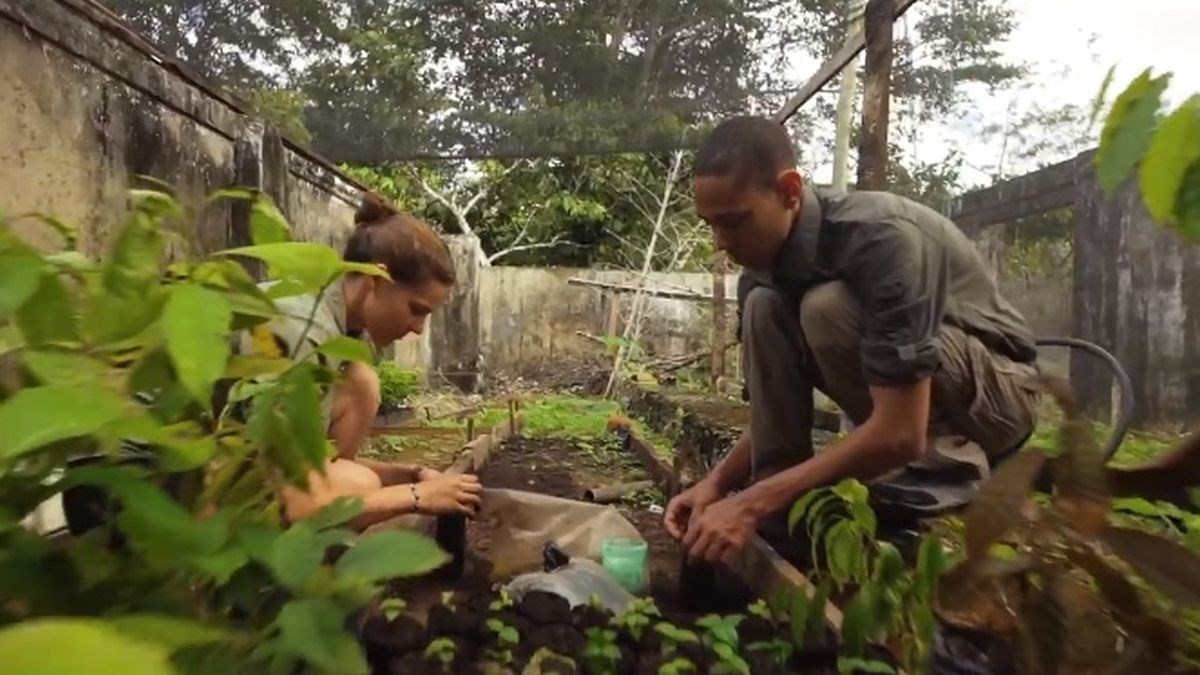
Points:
443	495
425	473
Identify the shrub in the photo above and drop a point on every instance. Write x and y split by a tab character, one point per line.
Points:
396	384
118	377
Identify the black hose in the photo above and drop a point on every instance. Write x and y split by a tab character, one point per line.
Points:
1124	385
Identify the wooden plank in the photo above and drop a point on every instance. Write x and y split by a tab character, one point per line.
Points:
830	69
1053	187
768	575
877	94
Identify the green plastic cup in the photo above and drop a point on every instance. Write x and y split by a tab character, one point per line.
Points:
625	559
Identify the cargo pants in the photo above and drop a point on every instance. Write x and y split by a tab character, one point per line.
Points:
983	404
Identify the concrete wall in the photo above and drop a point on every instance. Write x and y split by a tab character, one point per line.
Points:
1137	293
532	314
86	106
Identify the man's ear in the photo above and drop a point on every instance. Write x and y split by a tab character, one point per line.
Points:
790	186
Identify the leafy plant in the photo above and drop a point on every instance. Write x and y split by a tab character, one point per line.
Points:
1166	145
840	523
601	654
721	636
780	650
637	617
1073	578
392	608
673	636
396	385
506	638
443	651
677	666
118	377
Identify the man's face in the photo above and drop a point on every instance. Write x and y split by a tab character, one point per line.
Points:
749	221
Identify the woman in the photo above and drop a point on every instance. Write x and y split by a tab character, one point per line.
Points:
420	273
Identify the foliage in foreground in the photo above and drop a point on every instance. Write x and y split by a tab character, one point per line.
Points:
119	376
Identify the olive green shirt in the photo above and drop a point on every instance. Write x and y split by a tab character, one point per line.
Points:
910	268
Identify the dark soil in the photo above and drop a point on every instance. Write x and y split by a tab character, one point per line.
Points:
461	633
464	636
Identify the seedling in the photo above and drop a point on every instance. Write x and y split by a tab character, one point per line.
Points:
853	666
448	600
677	667
506	635
601	653
443	651
507	638
392	608
674	636
504	601
780	650
637	617
761	610
730	663
720	629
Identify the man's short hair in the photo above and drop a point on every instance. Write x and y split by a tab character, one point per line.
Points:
751	149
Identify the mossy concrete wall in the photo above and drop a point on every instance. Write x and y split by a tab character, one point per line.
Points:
86	107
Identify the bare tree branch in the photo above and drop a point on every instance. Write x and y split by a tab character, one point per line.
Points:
525	247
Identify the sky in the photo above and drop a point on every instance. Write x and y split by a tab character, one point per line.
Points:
1069	44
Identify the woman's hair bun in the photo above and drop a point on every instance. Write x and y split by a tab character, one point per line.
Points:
373	209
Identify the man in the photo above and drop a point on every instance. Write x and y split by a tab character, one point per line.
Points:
878	301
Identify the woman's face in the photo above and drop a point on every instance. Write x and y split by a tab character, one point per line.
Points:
391	310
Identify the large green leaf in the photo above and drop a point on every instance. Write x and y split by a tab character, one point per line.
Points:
1173	150
115	317
346	348
133	262
1187	205
171	632
313	629
295	555
63	646
20	276
301	408
38	416
267	224
337	512
195	321
1128	129
312	265
153	520
390	554
67	369
49	315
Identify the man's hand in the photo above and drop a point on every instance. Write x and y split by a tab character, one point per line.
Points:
723	529
687	506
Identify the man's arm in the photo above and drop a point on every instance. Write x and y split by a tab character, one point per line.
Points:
734	470
892	436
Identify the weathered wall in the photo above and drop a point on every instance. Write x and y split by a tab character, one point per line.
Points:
85	107
531	314
1137	293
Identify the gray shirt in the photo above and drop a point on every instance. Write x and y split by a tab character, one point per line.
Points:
911	270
